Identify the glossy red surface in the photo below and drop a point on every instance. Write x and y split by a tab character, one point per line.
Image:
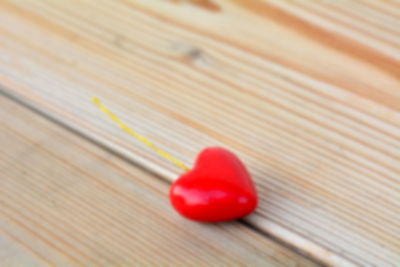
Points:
218	188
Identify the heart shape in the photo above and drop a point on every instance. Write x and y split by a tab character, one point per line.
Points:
218	188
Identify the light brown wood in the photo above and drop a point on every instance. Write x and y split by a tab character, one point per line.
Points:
306	93
66	201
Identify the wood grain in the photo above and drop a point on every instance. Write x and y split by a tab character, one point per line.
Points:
66	201
306	93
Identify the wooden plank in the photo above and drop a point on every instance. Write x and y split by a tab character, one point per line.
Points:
66	201
305	93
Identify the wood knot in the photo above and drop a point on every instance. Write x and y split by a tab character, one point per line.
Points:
189	54
194	53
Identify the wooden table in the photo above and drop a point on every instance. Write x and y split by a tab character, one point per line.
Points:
307	93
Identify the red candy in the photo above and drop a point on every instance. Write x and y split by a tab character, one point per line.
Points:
218	188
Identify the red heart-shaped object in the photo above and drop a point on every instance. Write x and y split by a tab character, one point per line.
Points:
218	188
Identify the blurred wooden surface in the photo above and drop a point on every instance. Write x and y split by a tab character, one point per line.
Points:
306	93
